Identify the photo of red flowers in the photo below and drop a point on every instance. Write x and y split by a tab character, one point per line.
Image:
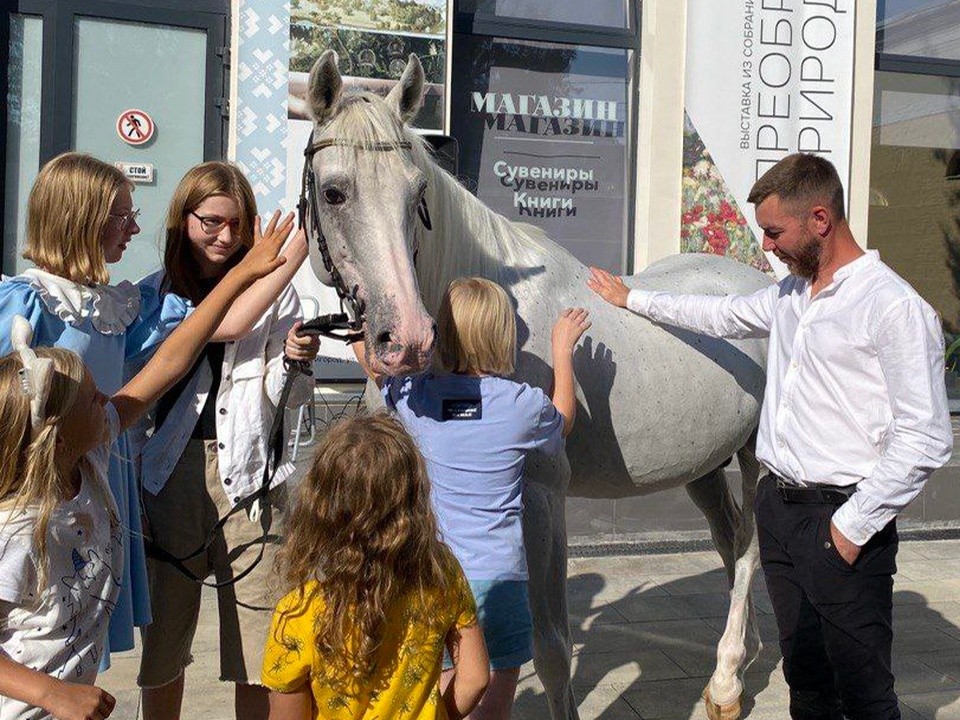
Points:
711	221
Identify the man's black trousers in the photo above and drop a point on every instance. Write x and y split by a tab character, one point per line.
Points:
835	620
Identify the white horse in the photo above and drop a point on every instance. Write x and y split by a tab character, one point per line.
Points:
659	407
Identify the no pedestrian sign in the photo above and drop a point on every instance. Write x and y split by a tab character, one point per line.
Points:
135	127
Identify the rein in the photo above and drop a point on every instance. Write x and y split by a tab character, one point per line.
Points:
345	326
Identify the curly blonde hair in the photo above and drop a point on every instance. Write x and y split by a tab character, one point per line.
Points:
364	529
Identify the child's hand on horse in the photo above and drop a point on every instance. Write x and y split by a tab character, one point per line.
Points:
570	326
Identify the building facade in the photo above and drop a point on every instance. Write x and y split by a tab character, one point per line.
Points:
627	130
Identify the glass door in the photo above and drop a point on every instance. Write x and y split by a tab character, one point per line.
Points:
139	84
22	126
163	79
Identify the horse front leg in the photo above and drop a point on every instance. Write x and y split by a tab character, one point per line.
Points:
545	537
740	644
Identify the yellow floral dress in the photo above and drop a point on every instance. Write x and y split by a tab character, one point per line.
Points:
404	682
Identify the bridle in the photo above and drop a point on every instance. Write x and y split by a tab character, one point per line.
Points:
347	326
344	326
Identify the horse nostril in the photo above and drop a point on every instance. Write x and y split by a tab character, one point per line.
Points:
384	337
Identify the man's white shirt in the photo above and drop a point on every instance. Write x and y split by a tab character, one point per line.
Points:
855	382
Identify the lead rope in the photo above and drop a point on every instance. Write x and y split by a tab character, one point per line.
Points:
345	326
336	326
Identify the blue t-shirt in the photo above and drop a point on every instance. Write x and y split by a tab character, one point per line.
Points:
475	433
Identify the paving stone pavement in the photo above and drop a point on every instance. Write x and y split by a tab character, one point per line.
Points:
645	630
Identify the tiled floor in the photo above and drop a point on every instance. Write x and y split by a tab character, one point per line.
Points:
645	631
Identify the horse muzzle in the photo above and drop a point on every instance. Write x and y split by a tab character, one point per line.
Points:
395	352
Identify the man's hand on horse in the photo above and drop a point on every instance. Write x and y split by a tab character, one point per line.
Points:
302	348
608	286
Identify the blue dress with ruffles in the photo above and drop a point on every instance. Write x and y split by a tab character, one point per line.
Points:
92	322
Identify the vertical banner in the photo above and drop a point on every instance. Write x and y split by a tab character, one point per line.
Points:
764	78
262	58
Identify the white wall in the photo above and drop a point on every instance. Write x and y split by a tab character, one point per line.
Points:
862	130
660	131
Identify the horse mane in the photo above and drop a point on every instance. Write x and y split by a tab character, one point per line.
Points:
467	237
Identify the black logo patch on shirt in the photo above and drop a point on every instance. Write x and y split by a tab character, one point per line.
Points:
462	408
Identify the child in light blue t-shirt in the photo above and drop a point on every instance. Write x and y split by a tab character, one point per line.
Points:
474	427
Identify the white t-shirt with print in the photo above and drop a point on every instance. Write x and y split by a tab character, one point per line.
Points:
64	634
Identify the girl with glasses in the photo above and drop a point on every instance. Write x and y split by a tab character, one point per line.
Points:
80	218
208	441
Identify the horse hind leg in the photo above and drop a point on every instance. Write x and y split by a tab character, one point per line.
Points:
748	548
731	528
713	498
740	643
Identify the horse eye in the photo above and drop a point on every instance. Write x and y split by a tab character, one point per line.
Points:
334	196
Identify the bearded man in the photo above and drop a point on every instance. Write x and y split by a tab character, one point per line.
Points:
854	420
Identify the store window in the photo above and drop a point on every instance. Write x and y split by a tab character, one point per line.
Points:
915	160
614	14
542	106
372	39
919	28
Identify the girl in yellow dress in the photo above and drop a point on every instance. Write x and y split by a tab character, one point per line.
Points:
376	595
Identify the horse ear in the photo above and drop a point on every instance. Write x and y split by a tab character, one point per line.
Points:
324	87
406	97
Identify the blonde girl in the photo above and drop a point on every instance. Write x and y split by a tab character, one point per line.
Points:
208	445
81	217
375	595
61	544
475	428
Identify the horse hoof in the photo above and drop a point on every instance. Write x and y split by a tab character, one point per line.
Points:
716	711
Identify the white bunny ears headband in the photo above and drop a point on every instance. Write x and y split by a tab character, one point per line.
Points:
35	375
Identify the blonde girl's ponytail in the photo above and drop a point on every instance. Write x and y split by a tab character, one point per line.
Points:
29	481
43	485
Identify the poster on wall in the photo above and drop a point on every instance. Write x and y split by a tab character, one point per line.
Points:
543	135
763	79
373	40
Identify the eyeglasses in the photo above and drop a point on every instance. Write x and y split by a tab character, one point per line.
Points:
211	224
127	219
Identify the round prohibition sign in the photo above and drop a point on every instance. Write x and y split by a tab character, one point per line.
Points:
135	127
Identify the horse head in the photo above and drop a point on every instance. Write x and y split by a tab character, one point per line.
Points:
367	209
